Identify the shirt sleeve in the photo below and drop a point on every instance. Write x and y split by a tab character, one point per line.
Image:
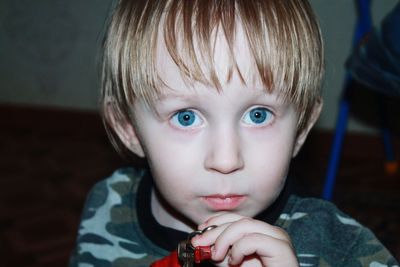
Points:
108	233
324	236
367	250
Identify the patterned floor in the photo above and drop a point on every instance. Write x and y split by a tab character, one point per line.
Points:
50	159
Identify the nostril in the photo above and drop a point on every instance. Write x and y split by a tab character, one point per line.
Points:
224	164
224	151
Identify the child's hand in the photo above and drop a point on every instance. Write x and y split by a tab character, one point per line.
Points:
242	241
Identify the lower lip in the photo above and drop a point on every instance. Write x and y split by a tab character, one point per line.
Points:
221	203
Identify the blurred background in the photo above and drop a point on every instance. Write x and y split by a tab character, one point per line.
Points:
53	147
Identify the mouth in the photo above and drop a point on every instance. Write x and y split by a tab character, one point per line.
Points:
223	202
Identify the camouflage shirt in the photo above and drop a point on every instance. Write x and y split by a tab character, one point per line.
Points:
110	235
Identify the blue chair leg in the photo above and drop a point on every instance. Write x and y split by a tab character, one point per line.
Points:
363	26
391	165
340	131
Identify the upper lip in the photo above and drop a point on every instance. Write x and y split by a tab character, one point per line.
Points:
223	195
224	201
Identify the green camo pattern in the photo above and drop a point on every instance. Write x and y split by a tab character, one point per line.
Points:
109	233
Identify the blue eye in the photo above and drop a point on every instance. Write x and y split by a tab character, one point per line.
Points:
186	118
257	116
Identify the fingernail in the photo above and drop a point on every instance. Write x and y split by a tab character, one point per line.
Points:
194	240
204	226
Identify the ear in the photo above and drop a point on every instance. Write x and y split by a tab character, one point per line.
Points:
125	131
301	137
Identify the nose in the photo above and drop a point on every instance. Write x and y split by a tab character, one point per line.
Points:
224	153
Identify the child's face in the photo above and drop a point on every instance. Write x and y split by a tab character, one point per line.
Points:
211	151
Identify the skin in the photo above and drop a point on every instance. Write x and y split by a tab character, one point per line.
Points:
223	164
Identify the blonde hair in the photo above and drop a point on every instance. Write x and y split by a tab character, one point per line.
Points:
283	36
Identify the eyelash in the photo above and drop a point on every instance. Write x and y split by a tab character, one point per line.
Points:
261	116
186	118
189	119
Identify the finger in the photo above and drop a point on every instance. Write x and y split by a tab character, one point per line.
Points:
271	251
220	219
245	226
209	237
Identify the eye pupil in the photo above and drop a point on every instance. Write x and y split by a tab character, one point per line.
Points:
258	115
186	118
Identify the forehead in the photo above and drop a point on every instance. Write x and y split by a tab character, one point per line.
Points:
227	62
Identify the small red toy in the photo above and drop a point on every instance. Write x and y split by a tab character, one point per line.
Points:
186	253
200	254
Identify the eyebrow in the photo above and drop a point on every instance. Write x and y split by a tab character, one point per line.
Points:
172	94
163	97
258	92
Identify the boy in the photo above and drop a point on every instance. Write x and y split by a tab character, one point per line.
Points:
217	96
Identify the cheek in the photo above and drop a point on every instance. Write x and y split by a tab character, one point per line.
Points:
173	159
171	149
172	163
271	152
269	164
170	178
